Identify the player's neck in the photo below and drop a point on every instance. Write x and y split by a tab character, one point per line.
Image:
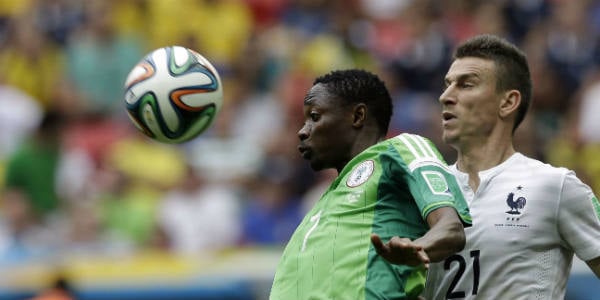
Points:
365	139
361	143
482	155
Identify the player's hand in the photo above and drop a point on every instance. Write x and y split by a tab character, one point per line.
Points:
400	251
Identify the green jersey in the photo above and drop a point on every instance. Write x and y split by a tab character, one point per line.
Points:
388	189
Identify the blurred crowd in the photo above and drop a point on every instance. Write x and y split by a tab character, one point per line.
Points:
77	178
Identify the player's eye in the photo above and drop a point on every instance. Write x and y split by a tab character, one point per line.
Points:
314	116
466	84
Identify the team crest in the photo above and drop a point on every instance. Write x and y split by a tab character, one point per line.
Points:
361	173
515	201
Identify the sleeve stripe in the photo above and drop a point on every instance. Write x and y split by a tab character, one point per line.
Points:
409	146
436	205
596	205
466	219
420	141
417	146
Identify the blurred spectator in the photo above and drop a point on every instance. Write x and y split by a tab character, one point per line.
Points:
146	162
578	144
60	290
29	61
231	149
23	236
458	18
8	10
33	166
94	134
322	182
127	211
216	29
199	217
521	16
269	215
12	8
131	19
57	19
98	59
489	18
266	13
420	63
309	17
572	48
589	110
323	52
133	175
20	115
219	29
83	232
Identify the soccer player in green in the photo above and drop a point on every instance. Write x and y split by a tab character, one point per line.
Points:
385	187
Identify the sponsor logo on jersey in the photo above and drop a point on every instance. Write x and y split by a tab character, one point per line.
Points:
436	182
361	173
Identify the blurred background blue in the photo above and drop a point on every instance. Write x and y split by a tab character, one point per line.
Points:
90	204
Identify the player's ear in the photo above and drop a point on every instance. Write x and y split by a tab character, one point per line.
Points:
510	103
359	115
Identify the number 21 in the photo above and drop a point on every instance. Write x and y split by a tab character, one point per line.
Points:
451	294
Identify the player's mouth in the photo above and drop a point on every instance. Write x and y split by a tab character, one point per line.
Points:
447	117
304	151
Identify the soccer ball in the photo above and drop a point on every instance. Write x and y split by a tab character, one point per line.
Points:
173	94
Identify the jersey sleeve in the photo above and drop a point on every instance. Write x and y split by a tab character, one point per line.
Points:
430	181
579	218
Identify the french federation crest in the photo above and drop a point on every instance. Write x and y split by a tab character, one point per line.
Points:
515	201
361	173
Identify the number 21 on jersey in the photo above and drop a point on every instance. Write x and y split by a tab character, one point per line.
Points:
462	265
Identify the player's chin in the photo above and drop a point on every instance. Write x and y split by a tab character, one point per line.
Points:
448	137
316	164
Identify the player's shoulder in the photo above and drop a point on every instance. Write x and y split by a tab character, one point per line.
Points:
415	150
543	172
538	166
407	137
419	145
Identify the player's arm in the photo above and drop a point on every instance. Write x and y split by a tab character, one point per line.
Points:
431	185
445	237
579	221
594	264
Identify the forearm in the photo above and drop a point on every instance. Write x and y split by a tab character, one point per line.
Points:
444	239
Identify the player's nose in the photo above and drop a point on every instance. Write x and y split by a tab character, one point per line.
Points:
448	96
303	133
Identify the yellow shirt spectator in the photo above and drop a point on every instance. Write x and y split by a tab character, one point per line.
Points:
218	30
30	63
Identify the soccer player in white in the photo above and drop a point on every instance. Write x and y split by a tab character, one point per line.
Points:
529	218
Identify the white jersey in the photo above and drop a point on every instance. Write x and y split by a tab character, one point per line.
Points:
529	218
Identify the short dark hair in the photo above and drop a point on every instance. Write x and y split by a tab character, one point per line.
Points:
512	70
359	86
